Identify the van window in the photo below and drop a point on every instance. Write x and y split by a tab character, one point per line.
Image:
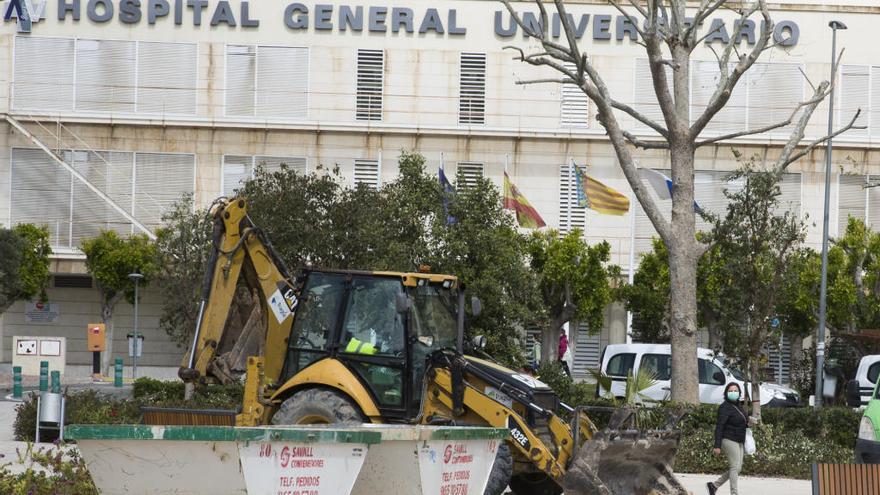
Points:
658	364
620	364
707	370
874	372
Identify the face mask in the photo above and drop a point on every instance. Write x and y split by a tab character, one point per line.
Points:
733	396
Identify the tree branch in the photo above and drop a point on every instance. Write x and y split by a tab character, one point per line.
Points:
648	145
783	164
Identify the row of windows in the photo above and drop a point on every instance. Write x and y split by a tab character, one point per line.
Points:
136	77
139	77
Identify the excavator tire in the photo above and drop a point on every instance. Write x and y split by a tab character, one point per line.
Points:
317	406
502	469
534	484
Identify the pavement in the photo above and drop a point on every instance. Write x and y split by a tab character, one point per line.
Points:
748	485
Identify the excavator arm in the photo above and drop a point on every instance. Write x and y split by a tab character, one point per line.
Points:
241	257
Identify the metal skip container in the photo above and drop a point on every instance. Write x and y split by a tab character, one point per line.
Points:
302	460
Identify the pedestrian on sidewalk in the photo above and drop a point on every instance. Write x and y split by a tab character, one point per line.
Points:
730	437
564	353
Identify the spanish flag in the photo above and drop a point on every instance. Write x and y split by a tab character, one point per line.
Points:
596	196
526	215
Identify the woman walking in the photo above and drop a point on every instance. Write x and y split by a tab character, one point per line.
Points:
730	436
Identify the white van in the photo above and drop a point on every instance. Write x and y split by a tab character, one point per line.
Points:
622	360
859	389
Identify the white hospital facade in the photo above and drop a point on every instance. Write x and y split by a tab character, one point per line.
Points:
150	100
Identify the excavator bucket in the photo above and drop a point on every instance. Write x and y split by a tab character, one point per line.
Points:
619	461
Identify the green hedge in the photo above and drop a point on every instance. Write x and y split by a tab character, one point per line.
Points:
789	440
93	407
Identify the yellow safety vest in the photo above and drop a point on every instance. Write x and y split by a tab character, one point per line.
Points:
356	346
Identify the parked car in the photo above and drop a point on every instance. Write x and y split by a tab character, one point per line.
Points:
621	360
860	388
868	443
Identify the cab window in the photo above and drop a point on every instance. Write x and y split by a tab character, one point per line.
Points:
372	325
710	373
660	365
620	365
315	319
373	337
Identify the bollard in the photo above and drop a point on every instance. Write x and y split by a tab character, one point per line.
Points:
44	376
56	382
16	382
117	373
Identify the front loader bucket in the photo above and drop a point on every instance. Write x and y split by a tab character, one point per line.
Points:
626	462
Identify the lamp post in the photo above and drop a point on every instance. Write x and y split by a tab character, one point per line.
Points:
136	278
823	289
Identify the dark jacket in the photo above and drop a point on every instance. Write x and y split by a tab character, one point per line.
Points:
730	424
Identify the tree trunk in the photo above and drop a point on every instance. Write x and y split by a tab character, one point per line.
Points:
683	255
755	376
715	340
107	320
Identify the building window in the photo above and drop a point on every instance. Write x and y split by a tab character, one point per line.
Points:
43	74
238	169
856	200
105	76
267	81
574	105
472	89
774	90
571	216
370	79
144	184
860	89
367	172
167	74
468	174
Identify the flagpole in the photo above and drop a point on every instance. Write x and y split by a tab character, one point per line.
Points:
506	161
441	161
632	265
570	188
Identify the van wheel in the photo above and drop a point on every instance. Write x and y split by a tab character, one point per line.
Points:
502	469
534	484
317	406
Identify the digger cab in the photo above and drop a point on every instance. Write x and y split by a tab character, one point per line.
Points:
380	325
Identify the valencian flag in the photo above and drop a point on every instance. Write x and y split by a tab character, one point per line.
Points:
596	196
514	200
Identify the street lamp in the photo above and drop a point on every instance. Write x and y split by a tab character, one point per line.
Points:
136	278
820	342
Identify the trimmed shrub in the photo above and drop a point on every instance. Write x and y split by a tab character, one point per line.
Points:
93	407
81	407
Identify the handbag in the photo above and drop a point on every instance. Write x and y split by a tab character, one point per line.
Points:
749	446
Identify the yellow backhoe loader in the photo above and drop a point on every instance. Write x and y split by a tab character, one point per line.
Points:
330	346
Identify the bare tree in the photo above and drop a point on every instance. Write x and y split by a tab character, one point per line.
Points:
669	32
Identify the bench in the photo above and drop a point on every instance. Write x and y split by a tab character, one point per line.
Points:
846	479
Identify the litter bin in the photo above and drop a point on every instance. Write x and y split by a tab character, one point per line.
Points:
50	414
